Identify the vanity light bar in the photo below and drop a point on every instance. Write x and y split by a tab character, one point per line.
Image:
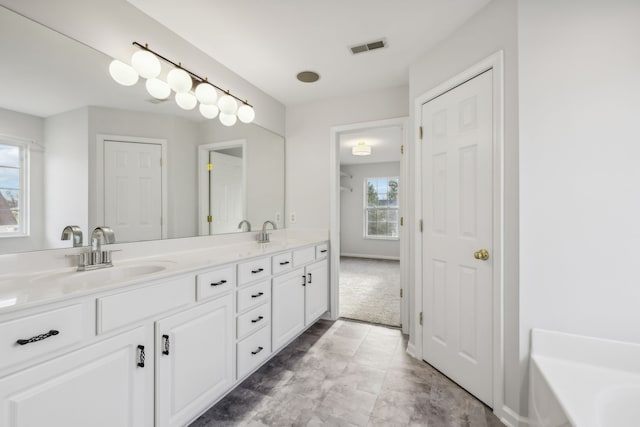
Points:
196	77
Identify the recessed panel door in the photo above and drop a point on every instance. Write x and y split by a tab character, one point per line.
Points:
457	238
226	198
133	190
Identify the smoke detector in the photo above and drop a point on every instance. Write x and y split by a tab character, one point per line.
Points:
308	76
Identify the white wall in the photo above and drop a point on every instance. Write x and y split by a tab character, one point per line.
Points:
308	145
352	241
493	28
182	139
579	174
26	127
66	176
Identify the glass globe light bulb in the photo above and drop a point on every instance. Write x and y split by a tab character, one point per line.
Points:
122	73
179	80
246	113
209	111
157	88
206	94
227	105
186	101
146	64
228	119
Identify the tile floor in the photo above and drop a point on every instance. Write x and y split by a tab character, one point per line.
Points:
348	373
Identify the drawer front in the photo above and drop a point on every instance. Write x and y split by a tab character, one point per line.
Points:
303	256
253	350
251	271
253	295
214	282
127	307
253	320
281	262
43	333
322	251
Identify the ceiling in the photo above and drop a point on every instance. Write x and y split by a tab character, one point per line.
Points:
269	42
385	145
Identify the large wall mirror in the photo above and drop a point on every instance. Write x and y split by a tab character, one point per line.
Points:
76	149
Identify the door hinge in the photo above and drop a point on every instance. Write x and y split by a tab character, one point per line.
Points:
420	132
401	221
401	293
420	318
402	149
421	226
209	218
209	167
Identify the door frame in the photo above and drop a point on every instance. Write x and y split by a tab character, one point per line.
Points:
334	196
494	62
100	140
203	179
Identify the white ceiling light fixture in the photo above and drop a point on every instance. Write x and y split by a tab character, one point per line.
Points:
146	64
362	149
122	73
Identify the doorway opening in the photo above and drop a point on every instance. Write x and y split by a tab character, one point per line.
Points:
369	249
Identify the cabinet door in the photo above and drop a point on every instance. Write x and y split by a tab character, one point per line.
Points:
194	360
287	314
100	386
316	300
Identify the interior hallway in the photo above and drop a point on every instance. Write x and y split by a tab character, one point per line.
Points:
370	290
348	373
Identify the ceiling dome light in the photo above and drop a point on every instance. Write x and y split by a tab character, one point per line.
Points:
206	94
146	64
361	149
122	73
209	111
179	80
246	114
228	119
186	101
157	88
228	105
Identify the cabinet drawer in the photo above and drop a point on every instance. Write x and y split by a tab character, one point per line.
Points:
48	332
254	270
214	282
253	295
253	320
303	256
252	351
281	262
322	251
128	307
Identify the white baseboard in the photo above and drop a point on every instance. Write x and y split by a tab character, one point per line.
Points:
392	258
511	418
411	350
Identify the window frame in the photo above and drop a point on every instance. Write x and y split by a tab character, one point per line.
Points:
365	223
24	192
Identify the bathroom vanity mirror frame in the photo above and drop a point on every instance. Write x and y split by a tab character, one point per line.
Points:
83	67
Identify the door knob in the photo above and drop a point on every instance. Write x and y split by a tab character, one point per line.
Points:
482	254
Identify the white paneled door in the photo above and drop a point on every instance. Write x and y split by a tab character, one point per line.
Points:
457	196
226	198
133	190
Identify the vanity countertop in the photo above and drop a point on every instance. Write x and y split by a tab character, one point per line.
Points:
25	290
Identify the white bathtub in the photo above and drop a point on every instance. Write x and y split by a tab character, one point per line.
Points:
583	382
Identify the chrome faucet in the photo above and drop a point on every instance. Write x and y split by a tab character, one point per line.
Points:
98	258
72	232
244	221
263	236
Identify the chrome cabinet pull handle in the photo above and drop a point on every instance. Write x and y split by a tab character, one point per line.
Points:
221	282
259	294
257	320
37	338
257	351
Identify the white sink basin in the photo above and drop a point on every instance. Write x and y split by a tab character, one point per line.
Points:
87	279
618	406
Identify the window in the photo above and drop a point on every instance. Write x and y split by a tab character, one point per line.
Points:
13	185
381	208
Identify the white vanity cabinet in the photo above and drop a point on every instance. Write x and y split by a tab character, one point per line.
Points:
106	384
299	298
194	360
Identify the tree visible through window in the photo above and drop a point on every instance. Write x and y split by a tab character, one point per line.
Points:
12	189
381	208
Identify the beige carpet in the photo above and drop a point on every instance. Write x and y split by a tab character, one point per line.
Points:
370	290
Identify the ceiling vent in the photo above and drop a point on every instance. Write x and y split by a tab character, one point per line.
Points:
366	47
